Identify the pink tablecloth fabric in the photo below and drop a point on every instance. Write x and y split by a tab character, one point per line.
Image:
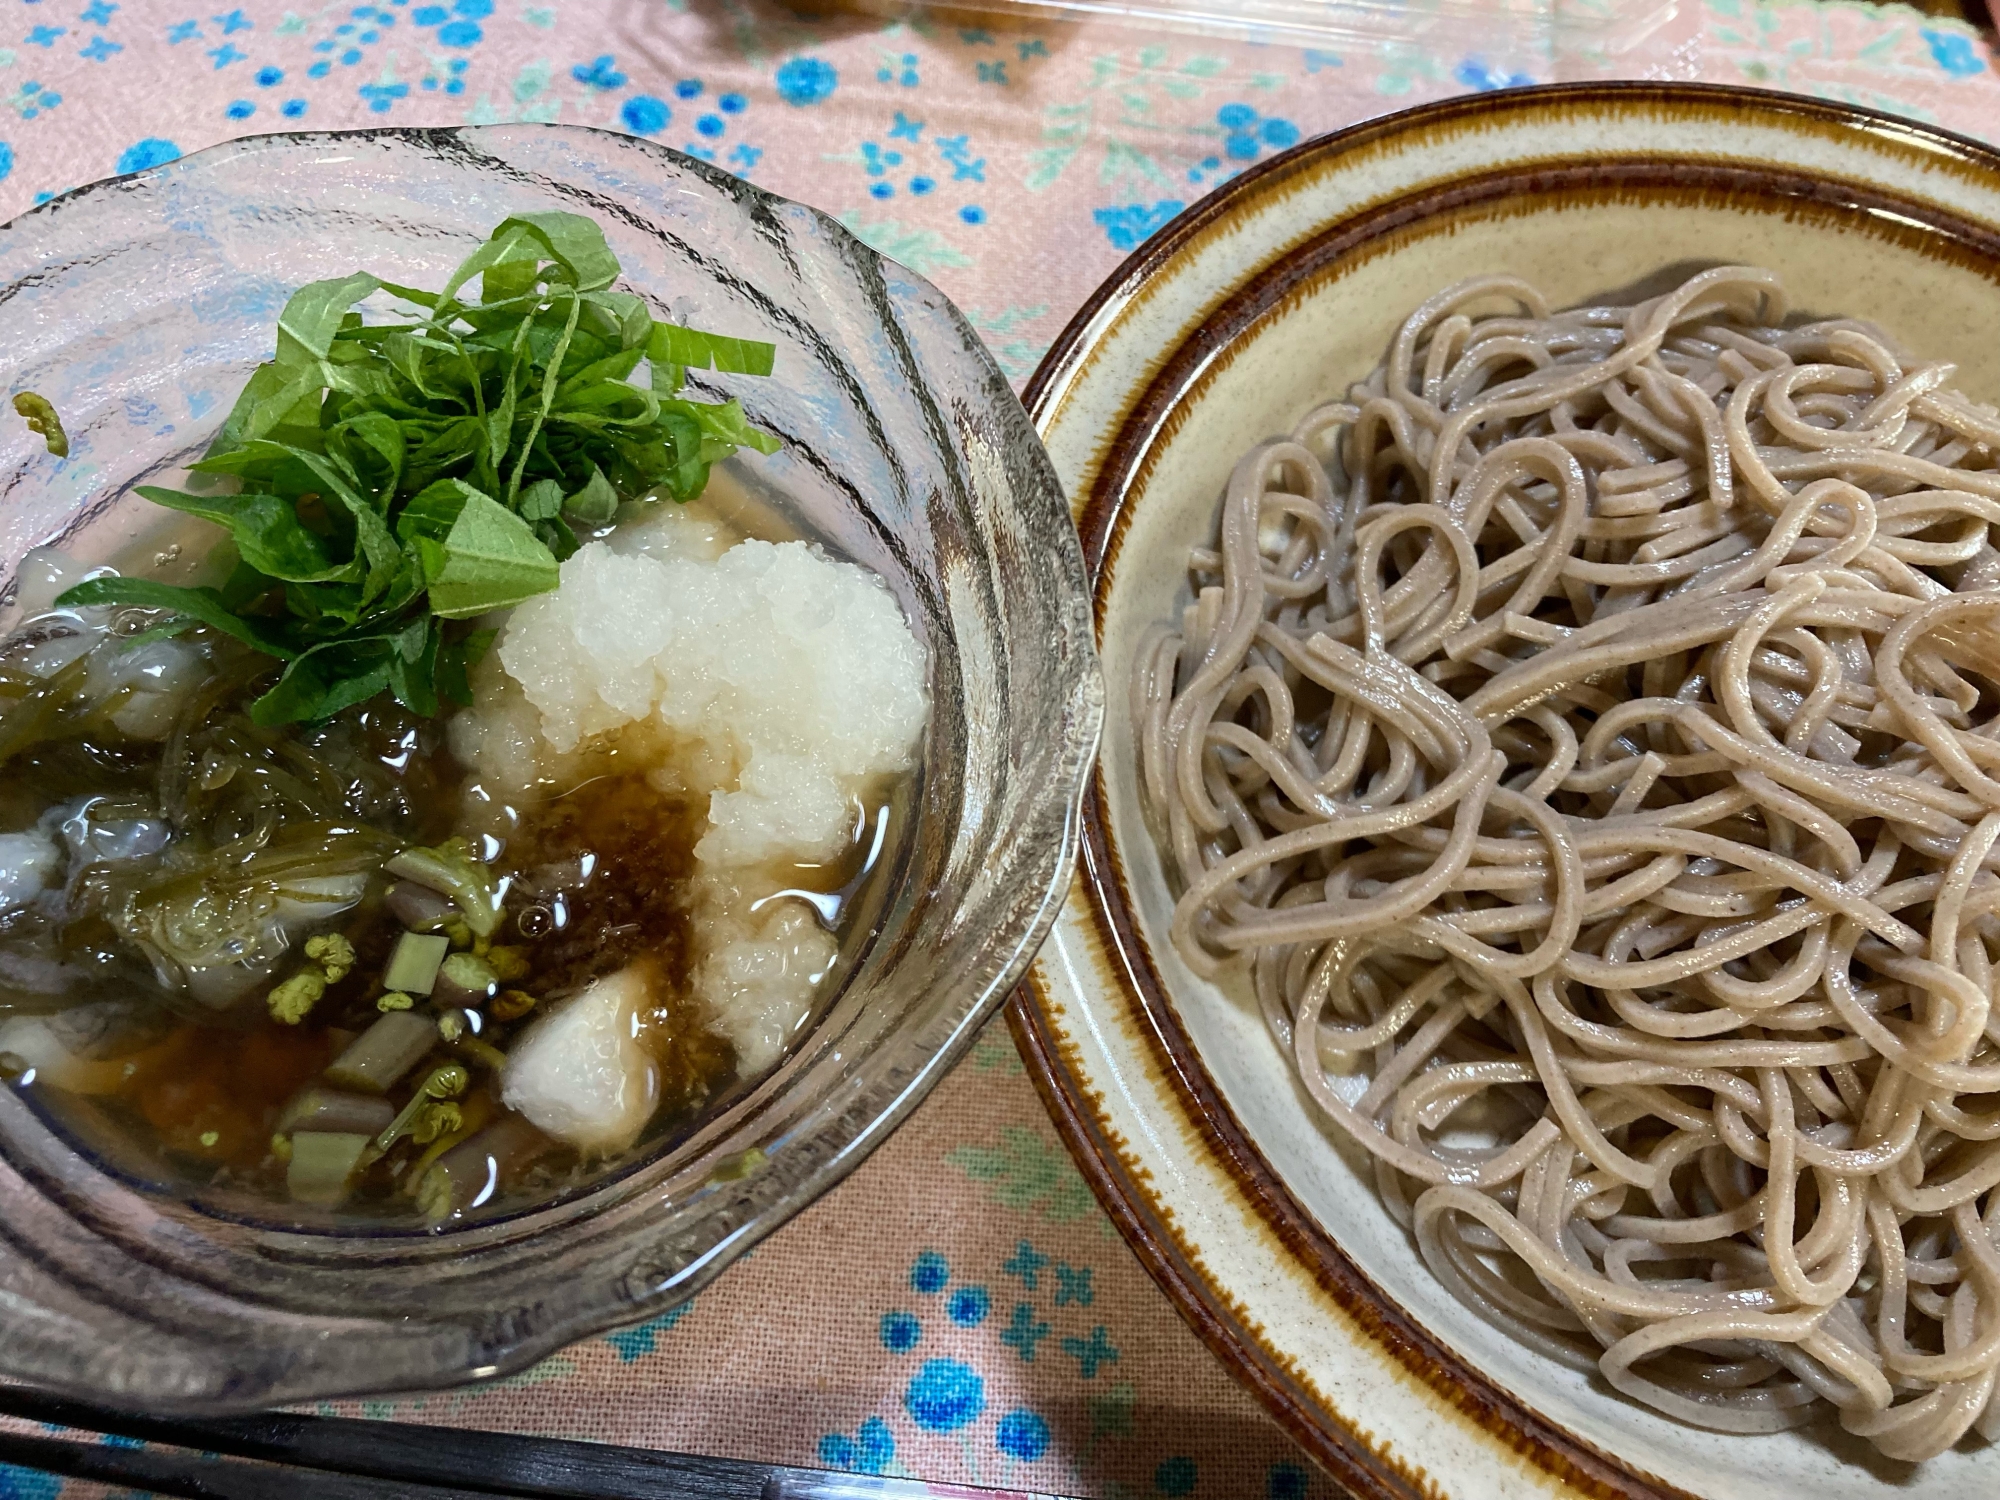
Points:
960	1309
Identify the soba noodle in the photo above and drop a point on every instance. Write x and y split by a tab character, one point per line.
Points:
1584	739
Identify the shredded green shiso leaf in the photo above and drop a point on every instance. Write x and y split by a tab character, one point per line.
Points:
396	479
43	421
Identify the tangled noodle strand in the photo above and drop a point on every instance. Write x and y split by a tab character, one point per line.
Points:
1584	737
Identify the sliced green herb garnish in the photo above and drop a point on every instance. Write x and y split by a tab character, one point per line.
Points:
384	482
44	423
670	344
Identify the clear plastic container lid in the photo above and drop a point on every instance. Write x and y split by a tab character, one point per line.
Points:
1514	41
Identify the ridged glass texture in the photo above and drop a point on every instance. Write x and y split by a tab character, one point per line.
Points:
138	306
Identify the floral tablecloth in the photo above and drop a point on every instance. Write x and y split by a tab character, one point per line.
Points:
960	1309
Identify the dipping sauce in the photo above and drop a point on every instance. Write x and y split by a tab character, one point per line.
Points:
393	967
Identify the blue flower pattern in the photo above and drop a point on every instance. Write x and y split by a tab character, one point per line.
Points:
947	1393
1026	1265
969	1306
900	1331
1093	1353
641	1340
27	1484
806	80
1130	225
1953	52
1023	1435
151	152
1475	74
31	99
1025	1332
871	1450
1073	1285
899	70
601	73
643	114
1248	134
929	1273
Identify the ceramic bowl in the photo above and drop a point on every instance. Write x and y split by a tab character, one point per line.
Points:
1259	303
138	307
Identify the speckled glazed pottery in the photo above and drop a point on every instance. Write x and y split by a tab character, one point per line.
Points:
1262	301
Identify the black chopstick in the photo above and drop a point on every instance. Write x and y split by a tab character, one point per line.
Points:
169	1471
281	1456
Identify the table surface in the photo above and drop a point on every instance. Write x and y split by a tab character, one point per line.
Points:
960	1309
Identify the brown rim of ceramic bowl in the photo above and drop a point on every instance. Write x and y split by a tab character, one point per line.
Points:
1122	460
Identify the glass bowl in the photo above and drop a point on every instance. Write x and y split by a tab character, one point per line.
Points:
138	306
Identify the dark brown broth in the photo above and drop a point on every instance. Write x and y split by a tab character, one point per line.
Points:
595	879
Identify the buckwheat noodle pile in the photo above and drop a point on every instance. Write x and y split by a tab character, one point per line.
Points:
1584	738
